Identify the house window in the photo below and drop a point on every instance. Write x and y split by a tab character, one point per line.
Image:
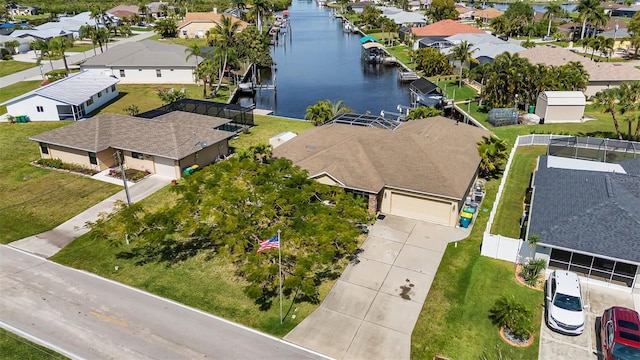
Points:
137	155
100	94
44	148
158	73
90	101
39	108
92	158
122	73
113	88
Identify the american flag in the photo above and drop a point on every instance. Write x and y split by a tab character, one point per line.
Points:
271	243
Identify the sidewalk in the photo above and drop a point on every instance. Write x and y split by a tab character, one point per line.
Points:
49	243
72	58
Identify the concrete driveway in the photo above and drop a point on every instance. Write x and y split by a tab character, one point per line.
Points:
554	346
372	309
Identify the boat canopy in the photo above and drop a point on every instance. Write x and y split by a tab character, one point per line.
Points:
368	38
371	45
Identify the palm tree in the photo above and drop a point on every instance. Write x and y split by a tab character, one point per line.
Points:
262	8
554	10
194	51
102	37
586	9
607	99
507	311
635	42
630	104
132	110
224	35
60	45
319	113
89	32
205	72
598	18
12	45
463	52
493	154
500	25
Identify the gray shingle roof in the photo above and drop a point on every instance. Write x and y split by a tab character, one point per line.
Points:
174	135
588	211
72	90
148	53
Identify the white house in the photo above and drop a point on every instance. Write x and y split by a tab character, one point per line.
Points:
145	62
560	106
71	98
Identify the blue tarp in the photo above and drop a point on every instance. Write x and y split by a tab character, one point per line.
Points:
367	38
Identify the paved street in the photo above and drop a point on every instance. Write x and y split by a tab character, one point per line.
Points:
86	316
372	309
34	73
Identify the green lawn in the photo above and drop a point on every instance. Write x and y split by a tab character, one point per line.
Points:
208	284
8	67
14	347
180	41
509	212
266	127
35	200
454	320
450	86
146	97
11	91
401	52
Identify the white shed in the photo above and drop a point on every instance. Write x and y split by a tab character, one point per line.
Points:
560	106
281	138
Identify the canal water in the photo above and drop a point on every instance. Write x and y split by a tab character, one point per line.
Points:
318	61
538	7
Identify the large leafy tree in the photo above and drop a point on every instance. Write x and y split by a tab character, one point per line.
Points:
518	15
370	15
254	47
442	10
493	153
432	62
224	210
463	52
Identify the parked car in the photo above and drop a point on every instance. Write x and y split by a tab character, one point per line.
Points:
620	334
565	312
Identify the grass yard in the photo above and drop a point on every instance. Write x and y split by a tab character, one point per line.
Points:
146	98
180	41
35	200
14	347
454	320
11	91
8	67
208	284
401	52
450	86
601	127
507	220
266	127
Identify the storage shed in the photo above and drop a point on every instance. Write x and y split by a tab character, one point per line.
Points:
560	106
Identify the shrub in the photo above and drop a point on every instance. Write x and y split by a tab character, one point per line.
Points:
58	164
532	269
54	163
508	312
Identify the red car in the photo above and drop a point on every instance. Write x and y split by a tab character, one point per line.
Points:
620	334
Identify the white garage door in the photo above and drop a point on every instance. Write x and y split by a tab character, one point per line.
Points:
165	167
420	208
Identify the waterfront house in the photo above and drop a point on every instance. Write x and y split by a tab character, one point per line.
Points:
158	9
145	62
71	24
403	18
71	98
486	15
486	46
602	75
162	145
464	13
360	153
197	24
443	28
124	11
47	34
21	10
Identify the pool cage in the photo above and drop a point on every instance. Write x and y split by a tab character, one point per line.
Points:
595	149
240	116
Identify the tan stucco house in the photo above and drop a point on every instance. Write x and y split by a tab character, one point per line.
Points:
196	24
163	145
423	169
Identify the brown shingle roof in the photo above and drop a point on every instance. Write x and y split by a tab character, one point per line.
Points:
173	135
206	17
127	8
434	156
445	28
598	71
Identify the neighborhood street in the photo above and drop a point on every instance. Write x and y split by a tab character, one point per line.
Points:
85	316
72	58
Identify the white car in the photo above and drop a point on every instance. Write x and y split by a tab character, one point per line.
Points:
564	303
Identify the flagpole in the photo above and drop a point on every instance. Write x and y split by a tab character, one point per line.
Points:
280	272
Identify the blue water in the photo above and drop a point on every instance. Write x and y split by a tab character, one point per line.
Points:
538	8
318	61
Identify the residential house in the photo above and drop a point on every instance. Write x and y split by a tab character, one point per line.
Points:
197	24
71	98
42	34
487	14
422	169
145	62
158	9
163	145
609	6
486	46
21	10
585	215
602	75
464	13
70	24
403	18
358	6
124	11
627	12
442	29
23	41
415	5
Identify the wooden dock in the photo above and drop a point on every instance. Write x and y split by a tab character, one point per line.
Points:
406	76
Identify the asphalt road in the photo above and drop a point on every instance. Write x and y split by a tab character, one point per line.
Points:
85	316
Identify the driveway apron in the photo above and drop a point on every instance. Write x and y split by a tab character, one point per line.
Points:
372	309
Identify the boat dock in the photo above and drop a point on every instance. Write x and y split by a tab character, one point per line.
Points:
407	76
